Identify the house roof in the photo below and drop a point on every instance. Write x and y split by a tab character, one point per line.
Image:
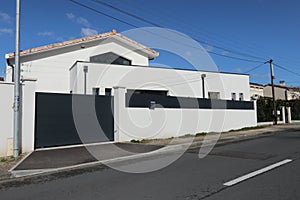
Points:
152	53
256	84
282	86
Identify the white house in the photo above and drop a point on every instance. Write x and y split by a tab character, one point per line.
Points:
148	102
256	90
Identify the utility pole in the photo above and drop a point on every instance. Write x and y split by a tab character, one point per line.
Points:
273	92
17	88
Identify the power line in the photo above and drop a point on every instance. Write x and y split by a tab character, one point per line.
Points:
122	21
233	57
155	24
286	69
102	13
191	26
254	68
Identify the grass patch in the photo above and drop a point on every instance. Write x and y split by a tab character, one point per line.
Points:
186	136
200	134
135	141
247	129
148	140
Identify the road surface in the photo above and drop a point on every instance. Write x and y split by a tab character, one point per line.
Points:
261	168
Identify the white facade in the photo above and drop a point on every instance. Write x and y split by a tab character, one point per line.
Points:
183	83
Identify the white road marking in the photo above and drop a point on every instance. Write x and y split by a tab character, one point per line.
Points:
258	172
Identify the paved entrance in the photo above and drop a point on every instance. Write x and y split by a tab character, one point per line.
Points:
66	157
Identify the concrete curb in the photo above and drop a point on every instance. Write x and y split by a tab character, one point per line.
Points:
5	175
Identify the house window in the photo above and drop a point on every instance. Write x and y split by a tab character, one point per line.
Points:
214	95
241	98
233	96
110	58
95	91
107	91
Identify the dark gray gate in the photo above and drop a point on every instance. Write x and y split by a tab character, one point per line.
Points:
54	123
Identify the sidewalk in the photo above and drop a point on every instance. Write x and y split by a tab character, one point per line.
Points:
53	160
228	136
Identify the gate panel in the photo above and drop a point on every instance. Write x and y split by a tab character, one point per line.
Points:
54	124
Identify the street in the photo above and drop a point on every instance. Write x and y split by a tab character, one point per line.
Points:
187	178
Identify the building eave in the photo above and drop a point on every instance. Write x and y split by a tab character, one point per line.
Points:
81	41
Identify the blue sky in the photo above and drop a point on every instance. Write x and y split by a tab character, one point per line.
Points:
263	28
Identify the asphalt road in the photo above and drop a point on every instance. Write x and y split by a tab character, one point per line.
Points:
187	178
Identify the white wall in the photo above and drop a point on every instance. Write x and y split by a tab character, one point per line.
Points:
28	125
143	123
52	71
179	82
6	116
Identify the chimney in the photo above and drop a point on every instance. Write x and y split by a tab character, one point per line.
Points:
282	83
1	78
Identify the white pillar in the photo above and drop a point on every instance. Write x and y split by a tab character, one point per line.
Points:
289	113
119	106
255	111
29	89
283	114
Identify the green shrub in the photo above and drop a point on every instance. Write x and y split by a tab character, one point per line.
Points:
135	141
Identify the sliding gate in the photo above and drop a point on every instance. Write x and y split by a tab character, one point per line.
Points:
55	126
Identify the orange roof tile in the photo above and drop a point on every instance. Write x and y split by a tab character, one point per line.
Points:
80	40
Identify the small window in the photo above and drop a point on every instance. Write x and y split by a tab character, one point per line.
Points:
233	96
241	97
107	91
110	58
95	91
214	95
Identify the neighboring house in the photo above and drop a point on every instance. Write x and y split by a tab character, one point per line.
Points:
282	91
146	102
256	90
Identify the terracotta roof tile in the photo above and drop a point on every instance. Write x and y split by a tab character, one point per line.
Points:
80	40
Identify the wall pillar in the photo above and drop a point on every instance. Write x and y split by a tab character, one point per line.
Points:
119	106
28	125
289	115
255	111
283	114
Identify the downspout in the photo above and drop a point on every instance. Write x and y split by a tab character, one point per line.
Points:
12	71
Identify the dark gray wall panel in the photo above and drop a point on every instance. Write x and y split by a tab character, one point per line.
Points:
143	101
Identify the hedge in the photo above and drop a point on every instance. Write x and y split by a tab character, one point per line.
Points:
265	108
